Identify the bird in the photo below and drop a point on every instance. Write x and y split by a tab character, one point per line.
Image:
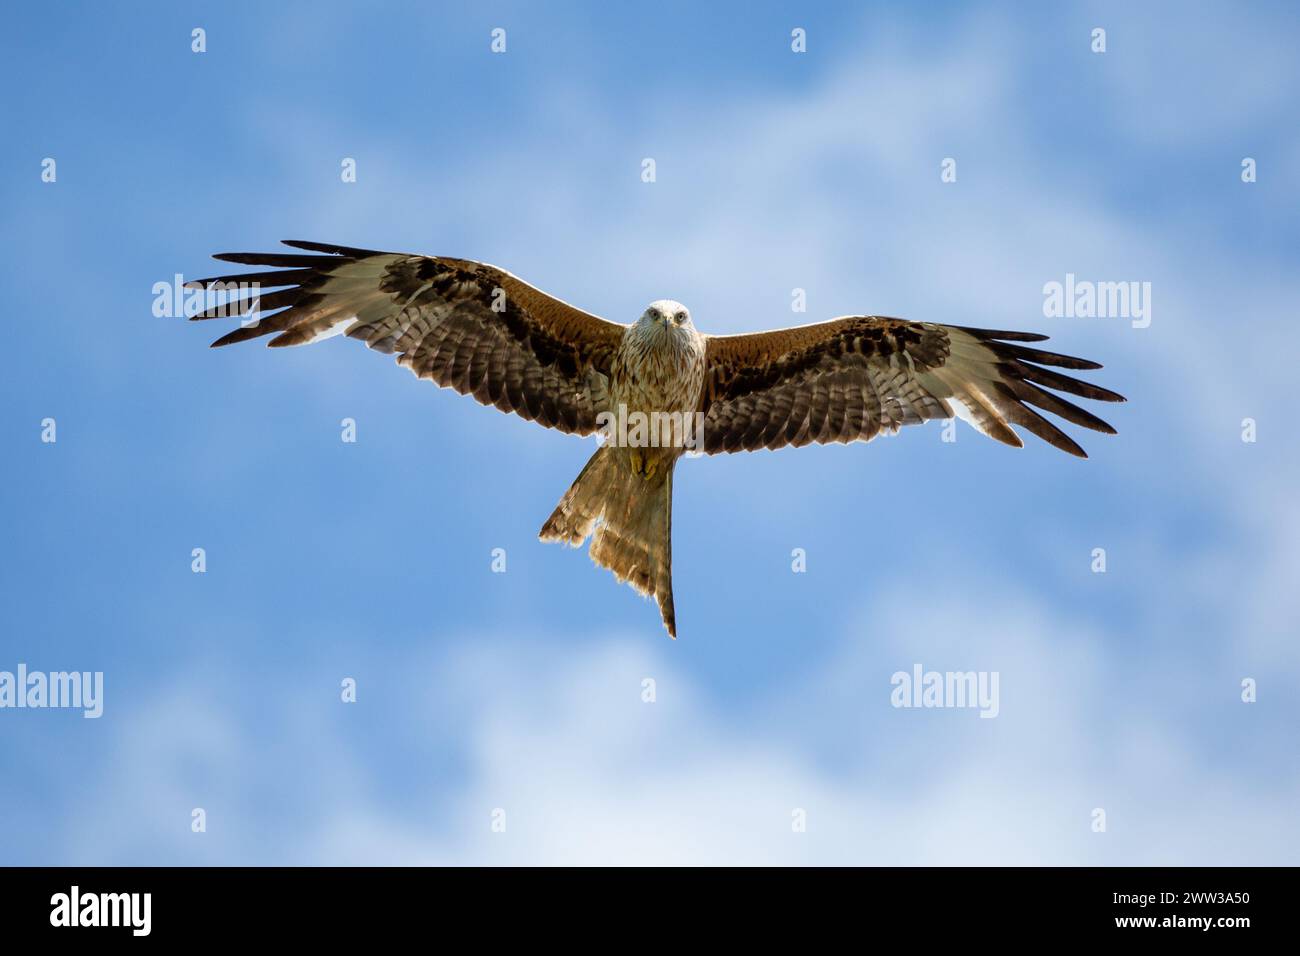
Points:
653	390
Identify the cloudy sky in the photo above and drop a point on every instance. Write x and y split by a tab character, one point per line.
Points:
519	697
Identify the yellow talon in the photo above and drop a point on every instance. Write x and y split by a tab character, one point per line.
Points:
642	464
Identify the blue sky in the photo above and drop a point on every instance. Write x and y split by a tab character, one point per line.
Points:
522	691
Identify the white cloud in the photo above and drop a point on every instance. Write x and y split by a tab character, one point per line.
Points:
589	773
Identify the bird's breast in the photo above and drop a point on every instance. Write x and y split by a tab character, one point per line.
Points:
658	373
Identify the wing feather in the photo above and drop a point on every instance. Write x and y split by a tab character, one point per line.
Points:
464	325
853	377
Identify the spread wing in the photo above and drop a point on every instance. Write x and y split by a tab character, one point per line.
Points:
852	378
464	325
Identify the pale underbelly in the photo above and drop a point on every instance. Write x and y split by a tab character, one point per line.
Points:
658	411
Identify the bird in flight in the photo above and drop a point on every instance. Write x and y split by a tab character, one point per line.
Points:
653	390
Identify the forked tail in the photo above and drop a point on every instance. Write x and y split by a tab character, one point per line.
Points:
631	516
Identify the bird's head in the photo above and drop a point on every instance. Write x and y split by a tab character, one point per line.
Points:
665	314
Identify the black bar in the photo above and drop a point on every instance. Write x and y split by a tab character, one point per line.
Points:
210	905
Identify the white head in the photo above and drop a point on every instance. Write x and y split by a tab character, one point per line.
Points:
665	314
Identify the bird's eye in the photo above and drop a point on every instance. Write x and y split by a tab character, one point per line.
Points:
656	314
681	317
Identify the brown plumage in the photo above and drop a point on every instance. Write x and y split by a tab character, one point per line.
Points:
483	332
461	324
631	518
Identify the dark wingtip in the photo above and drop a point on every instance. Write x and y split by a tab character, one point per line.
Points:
309	245
1078	364
330	248
1003	334
241	334
1066	444
1069	446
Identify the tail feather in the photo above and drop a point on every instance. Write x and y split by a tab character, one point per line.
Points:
631	518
